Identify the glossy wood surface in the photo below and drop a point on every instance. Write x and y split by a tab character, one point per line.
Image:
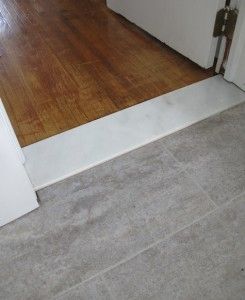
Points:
67	62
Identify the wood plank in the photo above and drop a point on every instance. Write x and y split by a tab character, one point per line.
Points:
66	63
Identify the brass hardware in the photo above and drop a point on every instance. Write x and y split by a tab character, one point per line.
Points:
225	23
231	23
219	22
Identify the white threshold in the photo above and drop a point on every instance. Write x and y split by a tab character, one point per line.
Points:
86	146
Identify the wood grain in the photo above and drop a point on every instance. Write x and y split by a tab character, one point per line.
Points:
67	62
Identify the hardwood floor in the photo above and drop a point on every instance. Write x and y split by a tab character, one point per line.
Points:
68	62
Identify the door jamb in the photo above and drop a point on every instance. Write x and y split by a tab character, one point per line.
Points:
237	44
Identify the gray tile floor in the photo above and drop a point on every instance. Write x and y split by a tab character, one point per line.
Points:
166	221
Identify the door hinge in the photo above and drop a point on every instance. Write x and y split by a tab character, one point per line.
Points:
225	22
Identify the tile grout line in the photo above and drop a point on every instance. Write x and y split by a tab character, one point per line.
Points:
184	169
201	188
190	177
136	254
101	273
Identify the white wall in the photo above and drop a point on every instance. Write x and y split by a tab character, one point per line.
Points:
17	196
184	25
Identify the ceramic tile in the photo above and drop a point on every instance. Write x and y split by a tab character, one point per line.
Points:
96	219
93	290
117	173
213	153
203	261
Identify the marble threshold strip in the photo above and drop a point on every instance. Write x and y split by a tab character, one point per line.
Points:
69	153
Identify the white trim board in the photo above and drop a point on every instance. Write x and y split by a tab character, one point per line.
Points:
86	146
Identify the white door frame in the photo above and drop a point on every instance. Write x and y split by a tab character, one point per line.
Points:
237	47
17	196
11	134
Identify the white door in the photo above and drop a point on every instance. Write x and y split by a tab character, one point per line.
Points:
185	25
235	68
17	196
